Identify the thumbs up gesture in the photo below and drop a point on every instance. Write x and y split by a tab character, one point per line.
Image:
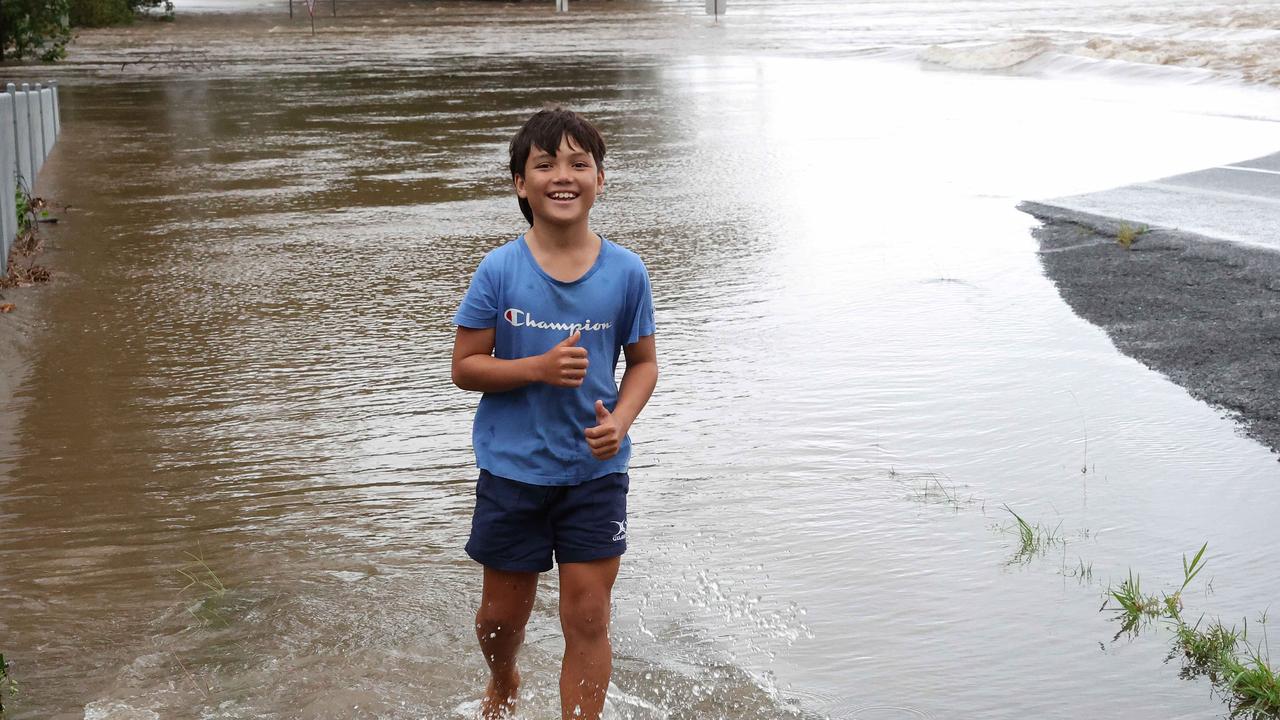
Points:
606	437
565	365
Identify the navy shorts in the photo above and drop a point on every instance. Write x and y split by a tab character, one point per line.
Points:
518	526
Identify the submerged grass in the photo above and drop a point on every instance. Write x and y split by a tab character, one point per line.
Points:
1253	684
1082	571
1134	606
931	488
203	592
1204	652
1239	670
1033	540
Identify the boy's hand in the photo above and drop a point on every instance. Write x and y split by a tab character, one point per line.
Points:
565	365
606	437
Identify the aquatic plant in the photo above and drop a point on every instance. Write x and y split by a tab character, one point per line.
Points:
1241	671
1135	606
1253	684
930	489
1082	571
1084	427
207	588
1190	569
1033	540
1204	651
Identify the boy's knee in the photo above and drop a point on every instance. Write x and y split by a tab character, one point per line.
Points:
584	618
492	622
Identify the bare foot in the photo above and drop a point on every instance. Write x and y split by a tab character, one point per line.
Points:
500	697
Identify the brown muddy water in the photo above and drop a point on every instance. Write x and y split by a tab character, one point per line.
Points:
241	370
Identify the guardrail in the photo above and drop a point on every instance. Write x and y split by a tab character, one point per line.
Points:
29	126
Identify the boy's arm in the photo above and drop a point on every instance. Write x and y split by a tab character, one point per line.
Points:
638	381
475	367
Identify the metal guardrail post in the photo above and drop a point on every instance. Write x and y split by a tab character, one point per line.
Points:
46	112
37	132
29	128
22	137
8	167
57	112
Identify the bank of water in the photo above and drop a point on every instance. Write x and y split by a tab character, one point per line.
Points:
245	369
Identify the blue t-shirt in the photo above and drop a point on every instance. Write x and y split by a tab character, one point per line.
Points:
534	434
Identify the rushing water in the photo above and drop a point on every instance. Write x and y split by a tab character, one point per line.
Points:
244	361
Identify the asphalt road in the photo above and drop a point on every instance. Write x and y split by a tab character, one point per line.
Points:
1197	297
1239	202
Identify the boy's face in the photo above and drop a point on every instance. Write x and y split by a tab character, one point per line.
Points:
560	188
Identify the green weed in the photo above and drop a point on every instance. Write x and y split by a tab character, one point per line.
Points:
933	491
1129	234
1190	569
1253	683
1205	651
1134	606
1082	571
1240	670
1033	540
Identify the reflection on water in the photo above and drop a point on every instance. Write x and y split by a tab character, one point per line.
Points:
246	361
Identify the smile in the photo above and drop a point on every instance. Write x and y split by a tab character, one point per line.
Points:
562	195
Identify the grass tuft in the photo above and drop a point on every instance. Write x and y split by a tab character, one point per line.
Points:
1253	683
1134	606
1033	540
1205	652
1082	571
1242	671
203	592
1129	234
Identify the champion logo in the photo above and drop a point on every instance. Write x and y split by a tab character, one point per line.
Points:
622	530
523	318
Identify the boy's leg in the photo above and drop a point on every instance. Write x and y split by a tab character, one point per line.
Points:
585	589
505	604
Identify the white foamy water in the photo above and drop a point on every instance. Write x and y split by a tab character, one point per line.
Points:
1236	40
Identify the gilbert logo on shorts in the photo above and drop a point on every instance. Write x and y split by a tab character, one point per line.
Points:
622	530
523	318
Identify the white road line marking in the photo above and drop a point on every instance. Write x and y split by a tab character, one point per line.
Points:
1221	194
1247	169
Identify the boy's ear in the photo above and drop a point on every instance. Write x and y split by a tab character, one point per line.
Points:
518	181
600	181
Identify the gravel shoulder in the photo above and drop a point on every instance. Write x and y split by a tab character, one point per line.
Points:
1203	312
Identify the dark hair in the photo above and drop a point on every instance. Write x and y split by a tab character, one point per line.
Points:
545	129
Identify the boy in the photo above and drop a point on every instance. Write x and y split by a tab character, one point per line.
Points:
539	333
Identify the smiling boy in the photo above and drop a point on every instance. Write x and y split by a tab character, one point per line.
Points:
539	332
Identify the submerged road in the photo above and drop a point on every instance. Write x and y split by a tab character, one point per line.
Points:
1197	298
1239	202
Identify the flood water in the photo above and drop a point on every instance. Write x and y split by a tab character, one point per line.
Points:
241	372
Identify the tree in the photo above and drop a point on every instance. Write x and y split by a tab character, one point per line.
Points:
97	13
34	29
42	28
